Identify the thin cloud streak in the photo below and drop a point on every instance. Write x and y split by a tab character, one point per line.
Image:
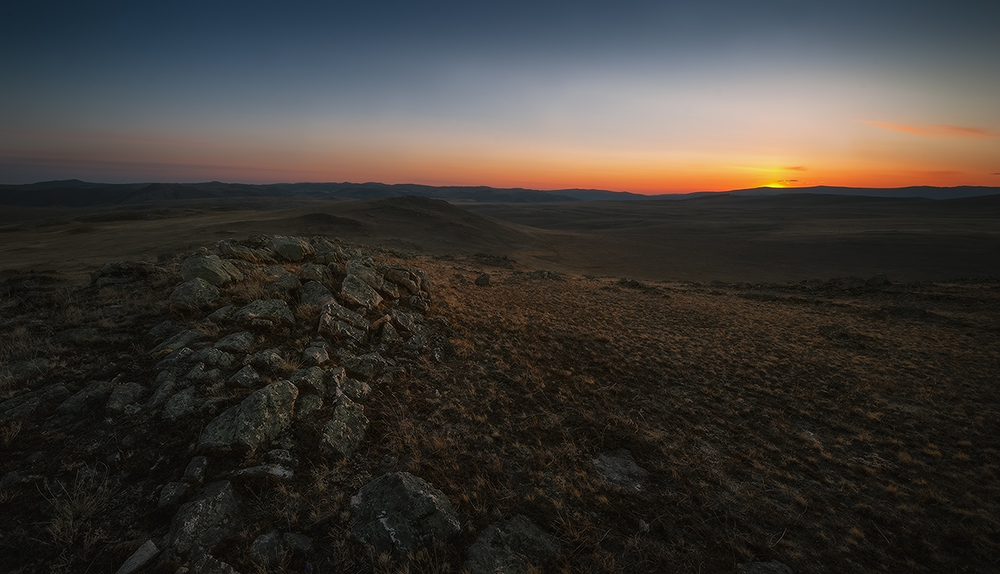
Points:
937	130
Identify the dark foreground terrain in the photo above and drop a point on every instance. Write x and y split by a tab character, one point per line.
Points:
572	421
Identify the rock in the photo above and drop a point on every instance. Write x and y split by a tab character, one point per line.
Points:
206	521
315	294
404	279
166	385
773	567
355	291
356	390
172	493
311	379
510	547
246	377
193	295
419	303
176	361
291	248
264	471
345	429
266	549
222	314
123	396
139	558
182	404
283	286
210	268
90	396
315	273
620	469
195	470
268	358
259	418
183	339
483	280
238	342
307	405
266	312
207	564
316	354
366	366
398	513
214	357
19	408
233	250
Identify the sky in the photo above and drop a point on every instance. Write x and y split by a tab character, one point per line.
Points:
648	97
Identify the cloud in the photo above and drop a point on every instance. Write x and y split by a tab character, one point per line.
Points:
937	130
795	168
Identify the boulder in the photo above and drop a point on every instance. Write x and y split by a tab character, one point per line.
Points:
345	429
193	295
266	549
307	405
398	513
315	294
266	312
620	469
205	521
483	280
311	379
283	285
313	272
182	404
210	268
246	377
291	248
510	547
258	419
355	291
238	342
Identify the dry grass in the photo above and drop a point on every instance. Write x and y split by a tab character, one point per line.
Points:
806	424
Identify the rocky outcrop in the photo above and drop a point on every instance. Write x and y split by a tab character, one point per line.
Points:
398	513
258	419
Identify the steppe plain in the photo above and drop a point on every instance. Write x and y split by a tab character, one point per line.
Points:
787	402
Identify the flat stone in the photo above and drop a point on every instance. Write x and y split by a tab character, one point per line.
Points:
238	342
210	268
142	556
354	290
291	248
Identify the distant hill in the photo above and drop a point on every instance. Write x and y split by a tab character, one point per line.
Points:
76	193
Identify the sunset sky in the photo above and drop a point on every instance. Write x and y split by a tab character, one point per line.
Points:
630	96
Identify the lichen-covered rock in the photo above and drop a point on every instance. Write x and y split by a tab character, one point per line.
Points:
238	342
366	366
307	405
193	295
398	513
205	521
210	268
291	248
183	403
310	379
313	272
180	340
316	354
345	429
258	419
266	312
356	291
510	547
283	285
246	377
315	294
